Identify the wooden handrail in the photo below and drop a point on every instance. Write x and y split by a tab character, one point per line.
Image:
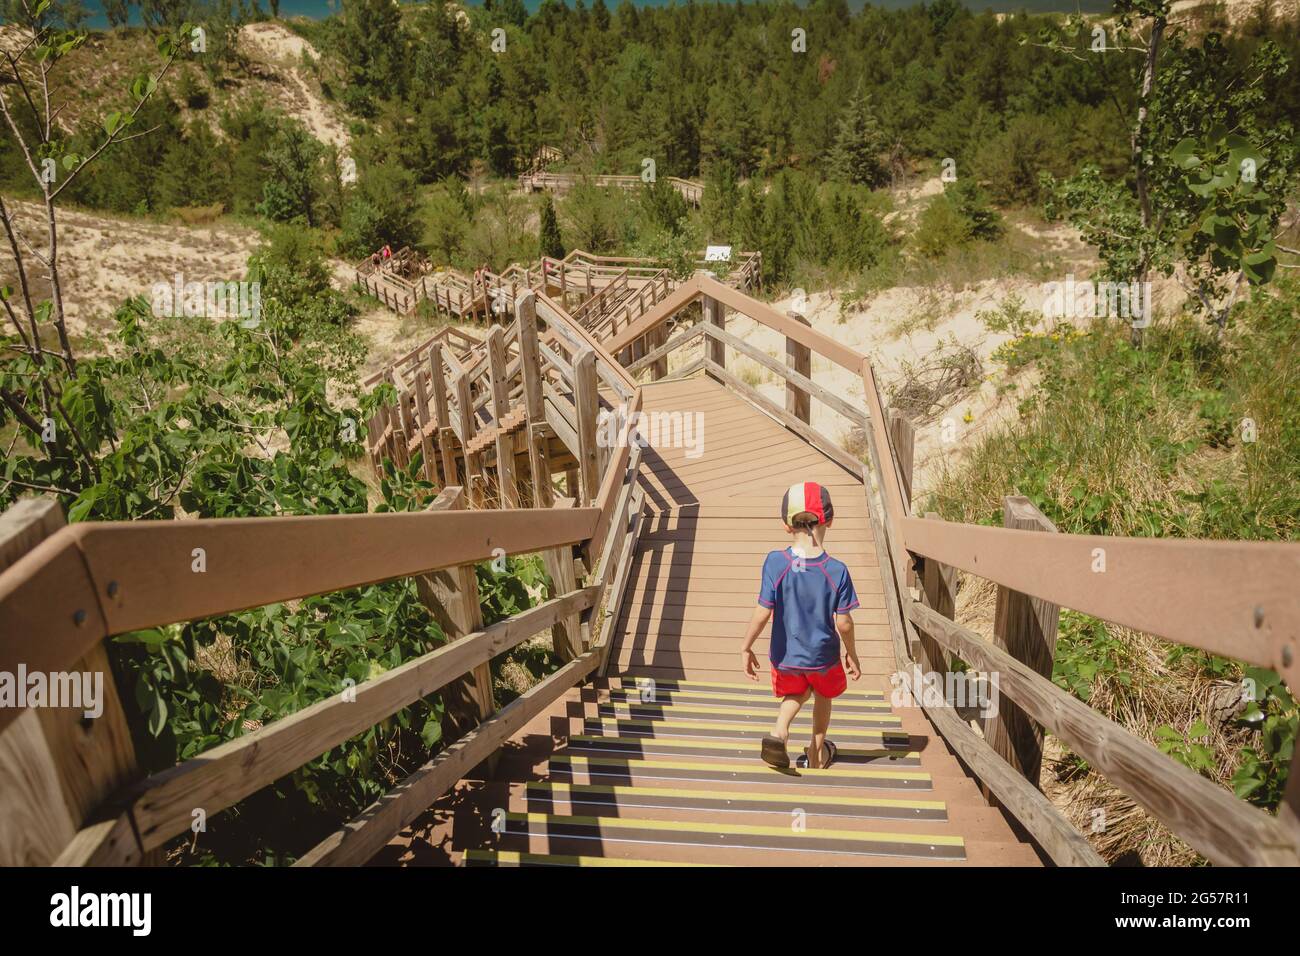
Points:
95	579
161	804
1227	830
1235	598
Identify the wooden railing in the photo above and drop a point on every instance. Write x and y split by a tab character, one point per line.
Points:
386	282
1233	598
64	590
539	180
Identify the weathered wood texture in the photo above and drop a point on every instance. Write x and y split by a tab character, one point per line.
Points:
1025	628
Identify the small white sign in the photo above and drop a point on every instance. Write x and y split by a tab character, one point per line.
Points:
717	254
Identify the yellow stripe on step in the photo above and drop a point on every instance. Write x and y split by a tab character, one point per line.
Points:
631	682
740	829
705	743
549	859
738	711
568	789
614	723
768	703
615	760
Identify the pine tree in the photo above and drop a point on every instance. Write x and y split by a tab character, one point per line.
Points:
549	242
859	142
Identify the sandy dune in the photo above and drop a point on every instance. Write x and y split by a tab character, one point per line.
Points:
281	51
105	260
874	331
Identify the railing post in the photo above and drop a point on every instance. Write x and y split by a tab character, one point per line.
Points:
938	591
902	436
586	399
421	422
530	364
451	595
715	315
799	357
397	448
507	488
442	414
1024	627
468	428
566	634
59	766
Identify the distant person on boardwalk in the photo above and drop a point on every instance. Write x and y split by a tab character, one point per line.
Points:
807	595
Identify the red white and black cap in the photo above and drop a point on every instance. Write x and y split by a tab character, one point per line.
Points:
807	497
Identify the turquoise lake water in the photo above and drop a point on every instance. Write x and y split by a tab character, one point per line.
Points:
324	8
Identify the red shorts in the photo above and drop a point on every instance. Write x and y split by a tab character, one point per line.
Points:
828	683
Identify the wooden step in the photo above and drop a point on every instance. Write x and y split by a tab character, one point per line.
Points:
721	835
722	714
727	730
730	750
512	421
762	707
743	688
626	798
503	858
610	768
836	808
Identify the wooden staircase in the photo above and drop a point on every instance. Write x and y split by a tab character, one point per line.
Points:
659	764
600	781
642	746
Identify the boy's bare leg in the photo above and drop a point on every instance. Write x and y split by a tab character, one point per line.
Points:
786	714
821	723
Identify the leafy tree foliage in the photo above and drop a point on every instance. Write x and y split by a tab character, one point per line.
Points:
855	156
549	242
378	210
1211	163
294	183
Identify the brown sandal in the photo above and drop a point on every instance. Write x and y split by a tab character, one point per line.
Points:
774	753
831	751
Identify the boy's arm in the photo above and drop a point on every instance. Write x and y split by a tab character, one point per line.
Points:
846	599
757	621
844	624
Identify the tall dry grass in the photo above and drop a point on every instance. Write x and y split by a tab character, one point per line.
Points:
1148	443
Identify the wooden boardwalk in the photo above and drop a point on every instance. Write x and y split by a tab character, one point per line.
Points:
642	747
713	518
622	771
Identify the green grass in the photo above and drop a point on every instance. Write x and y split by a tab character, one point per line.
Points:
1157	442
1151	442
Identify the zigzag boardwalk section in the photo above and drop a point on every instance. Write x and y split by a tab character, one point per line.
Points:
658	762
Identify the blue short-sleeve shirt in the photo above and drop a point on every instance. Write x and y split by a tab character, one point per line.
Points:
804	595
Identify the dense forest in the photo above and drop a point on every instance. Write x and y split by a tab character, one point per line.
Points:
792	116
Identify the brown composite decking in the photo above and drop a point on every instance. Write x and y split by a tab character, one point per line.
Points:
622	771
713	518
